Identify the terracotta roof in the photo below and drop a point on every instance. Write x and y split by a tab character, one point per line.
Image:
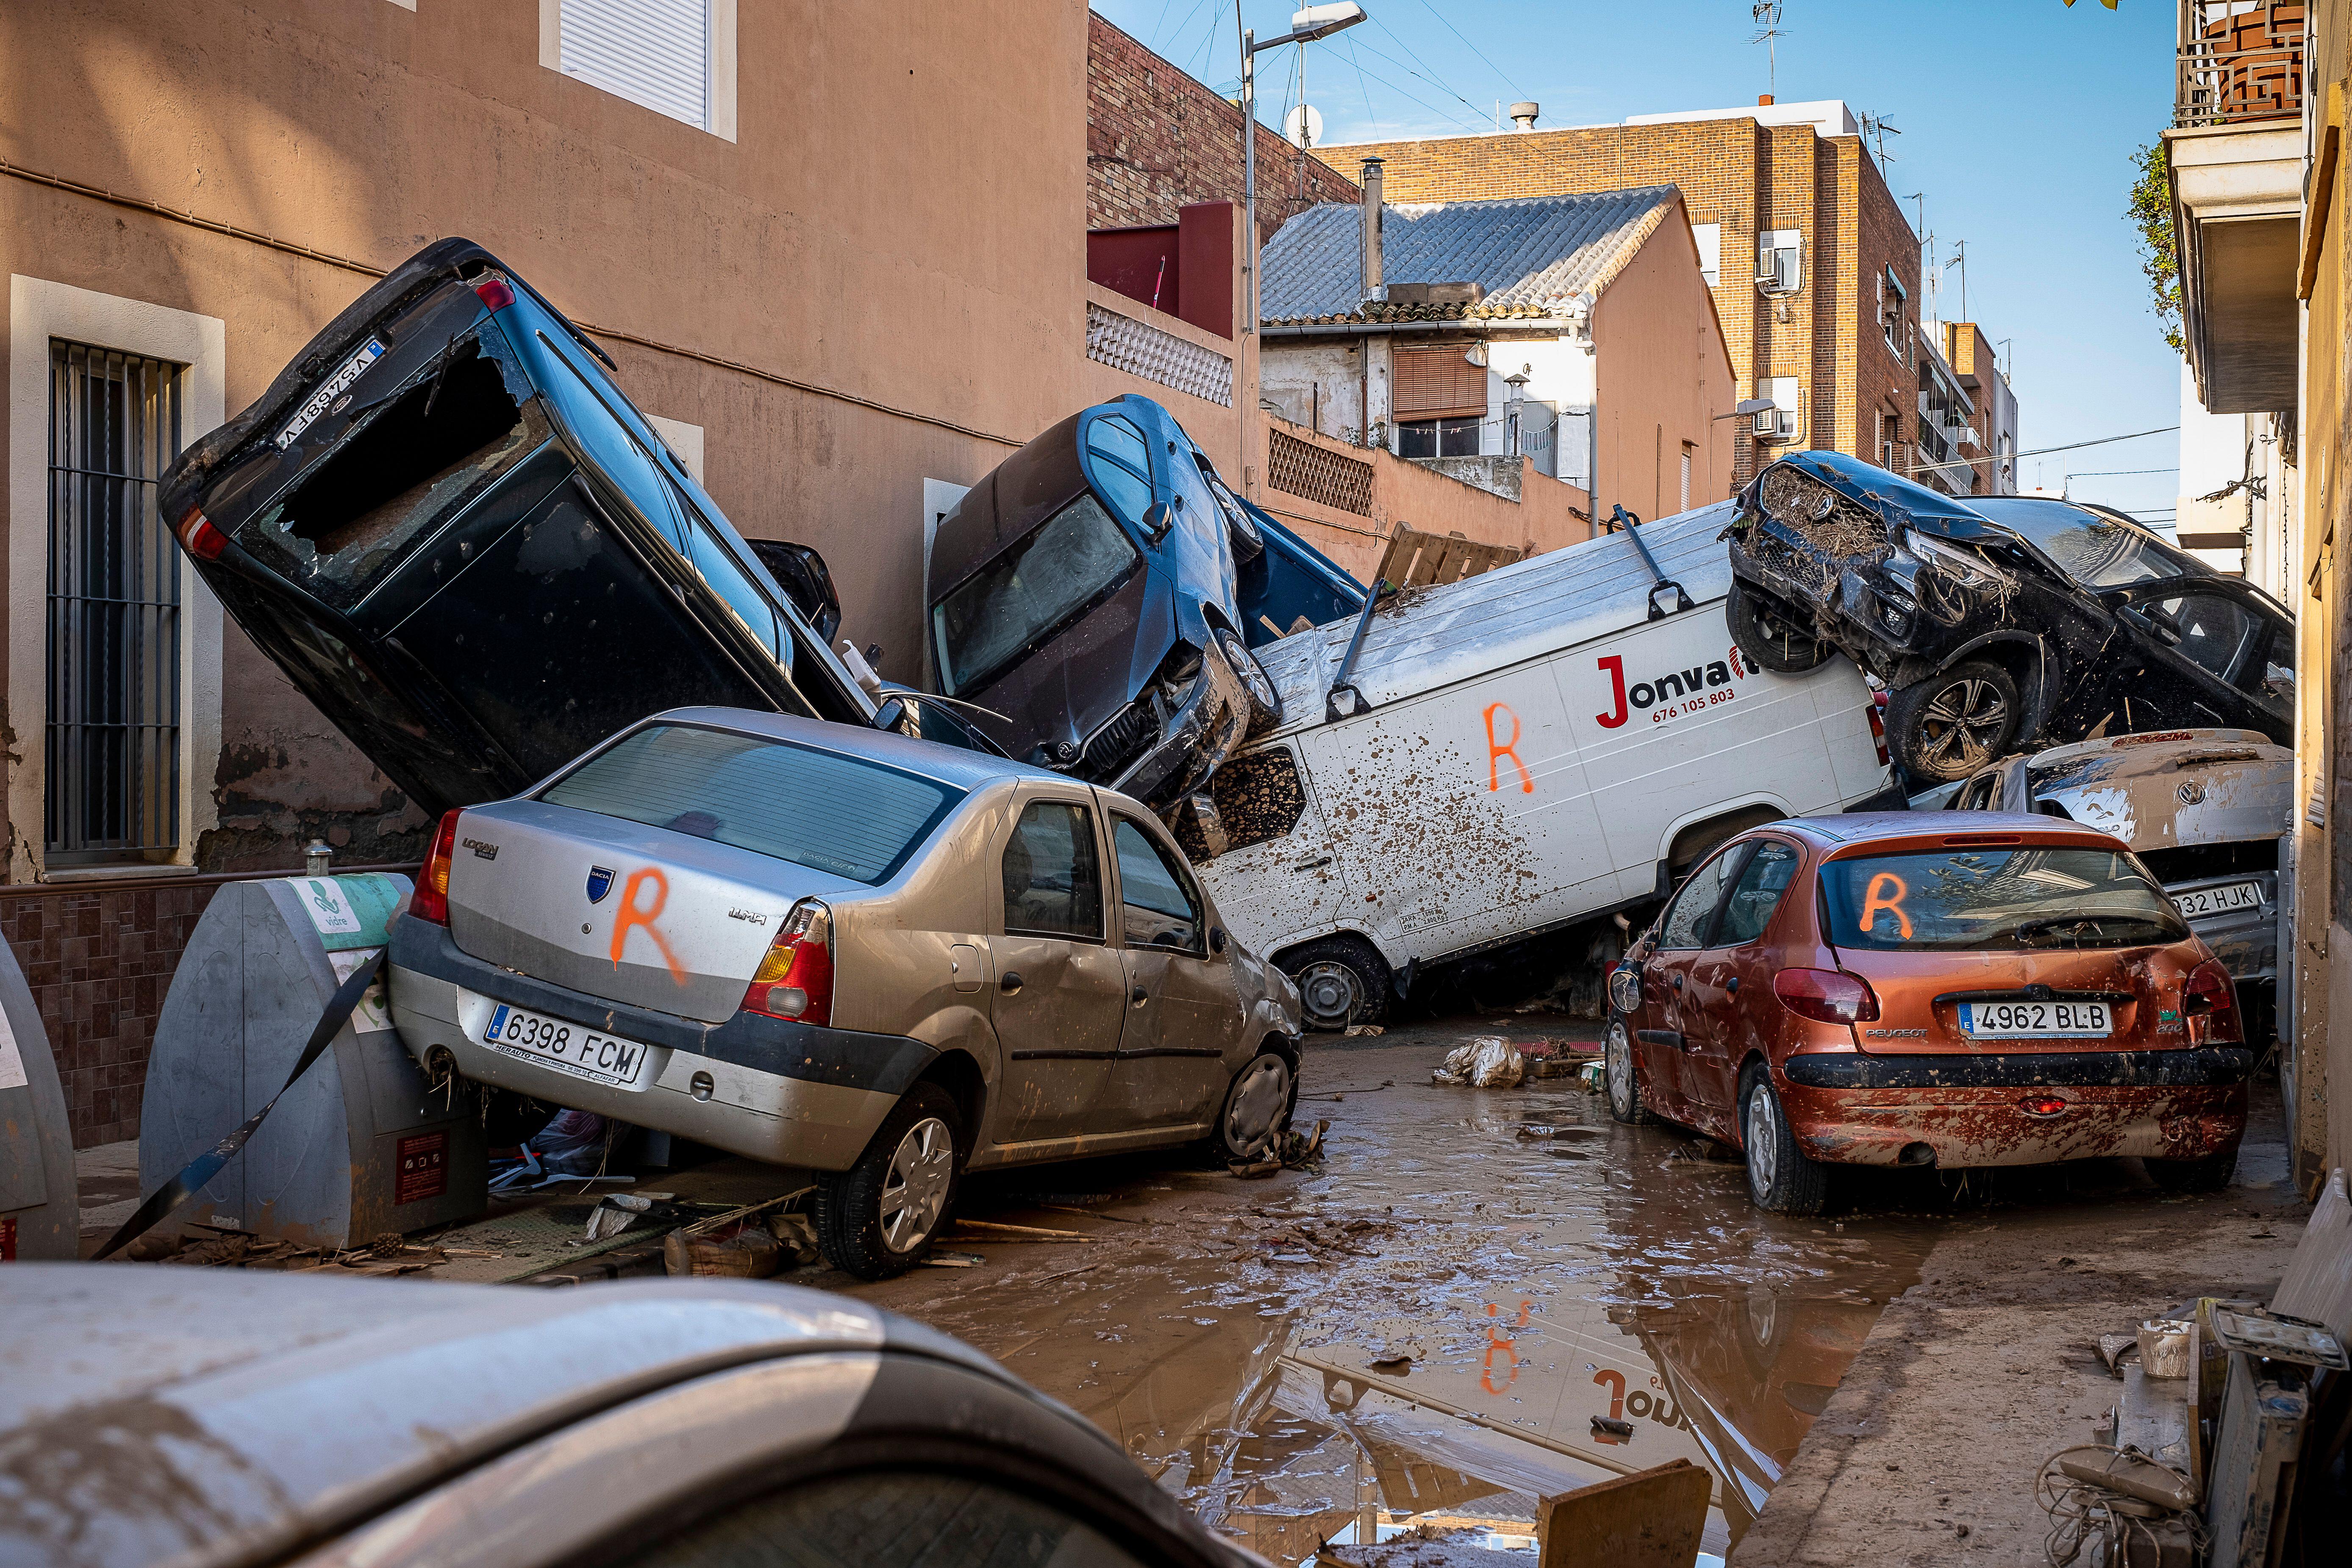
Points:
1532	254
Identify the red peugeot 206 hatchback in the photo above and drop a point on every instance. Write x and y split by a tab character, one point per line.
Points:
1950	989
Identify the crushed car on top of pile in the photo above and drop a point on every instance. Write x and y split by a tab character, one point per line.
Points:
1095	600
450	528
2000	622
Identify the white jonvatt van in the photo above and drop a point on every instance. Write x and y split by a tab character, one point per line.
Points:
1513	752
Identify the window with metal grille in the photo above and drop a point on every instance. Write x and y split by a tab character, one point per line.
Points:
113	719
1433	383
652	52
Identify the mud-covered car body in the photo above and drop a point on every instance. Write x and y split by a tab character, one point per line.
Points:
2089	615
1953	989
1098	591
2205	810
273	1418
970	922
464	545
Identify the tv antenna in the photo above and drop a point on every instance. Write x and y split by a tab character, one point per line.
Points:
1767	14
1875	130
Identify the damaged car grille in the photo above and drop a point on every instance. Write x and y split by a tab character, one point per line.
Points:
1116	746
1809	531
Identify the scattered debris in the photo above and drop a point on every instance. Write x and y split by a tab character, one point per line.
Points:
616	1213
1489	1061
957	1261
1610	1426
1355	1030
2164	1347
1016	1233
2113	1348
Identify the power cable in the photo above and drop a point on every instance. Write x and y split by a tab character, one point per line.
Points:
1410	71
1473	49
2110	473
2044	451
1408	96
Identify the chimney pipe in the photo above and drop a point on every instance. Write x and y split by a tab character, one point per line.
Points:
1374	287
1763	101
1523	115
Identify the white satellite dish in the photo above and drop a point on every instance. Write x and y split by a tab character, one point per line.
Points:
1305	115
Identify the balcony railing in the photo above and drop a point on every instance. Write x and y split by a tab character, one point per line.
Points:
2238	61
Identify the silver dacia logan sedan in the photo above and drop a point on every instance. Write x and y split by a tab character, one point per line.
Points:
880	959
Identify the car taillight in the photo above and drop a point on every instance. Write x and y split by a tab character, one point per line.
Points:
493	291
199	537
794	981
1826	995
2209	1004
430	902
1878	732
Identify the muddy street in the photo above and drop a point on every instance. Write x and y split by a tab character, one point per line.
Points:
1425	1327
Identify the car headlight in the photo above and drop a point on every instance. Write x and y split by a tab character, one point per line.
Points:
1966	566
1625	989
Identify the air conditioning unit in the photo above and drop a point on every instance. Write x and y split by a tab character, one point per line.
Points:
1778	270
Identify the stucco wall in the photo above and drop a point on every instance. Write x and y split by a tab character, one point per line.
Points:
1665	372
901	218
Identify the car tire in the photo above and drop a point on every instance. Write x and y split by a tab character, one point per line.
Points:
1768	635
1264	699
1780	1176
877	1219
1621	1074
1341	980
2209	1173
1256	1110
1946	727
1249	540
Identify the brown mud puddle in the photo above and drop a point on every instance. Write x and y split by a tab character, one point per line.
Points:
1421	1329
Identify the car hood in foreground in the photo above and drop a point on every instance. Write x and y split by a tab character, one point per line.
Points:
1898	500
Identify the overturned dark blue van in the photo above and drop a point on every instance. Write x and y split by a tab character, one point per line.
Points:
1095	598
456	535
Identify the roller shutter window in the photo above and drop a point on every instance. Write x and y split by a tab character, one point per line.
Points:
652	52
1438	383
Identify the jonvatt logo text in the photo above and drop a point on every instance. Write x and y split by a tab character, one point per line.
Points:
1665	687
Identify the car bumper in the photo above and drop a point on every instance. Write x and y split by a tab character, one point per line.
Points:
1196	738
1849	1108
2245	940
786	1093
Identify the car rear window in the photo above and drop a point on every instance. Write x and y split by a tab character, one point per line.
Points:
1959	900
843	815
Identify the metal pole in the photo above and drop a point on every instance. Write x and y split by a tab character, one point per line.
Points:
1249	172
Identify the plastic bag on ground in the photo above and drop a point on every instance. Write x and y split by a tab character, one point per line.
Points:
1489	1061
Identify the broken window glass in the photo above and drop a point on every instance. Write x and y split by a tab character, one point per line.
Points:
1017	600
1258	797
409	464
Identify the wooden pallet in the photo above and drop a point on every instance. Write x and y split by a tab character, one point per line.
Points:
1416	560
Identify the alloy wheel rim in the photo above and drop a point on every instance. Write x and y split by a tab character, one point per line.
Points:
1763	1139
1618	1060
915	1190
1961	720
1252	673
1256	1105
1330	993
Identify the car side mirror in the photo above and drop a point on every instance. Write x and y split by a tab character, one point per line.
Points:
891	715
1216	939
1158	519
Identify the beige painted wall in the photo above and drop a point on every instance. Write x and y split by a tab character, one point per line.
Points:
900	217
1665	372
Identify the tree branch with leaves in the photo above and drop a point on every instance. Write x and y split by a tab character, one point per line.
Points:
2150	215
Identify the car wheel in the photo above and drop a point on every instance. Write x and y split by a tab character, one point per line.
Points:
1770	636
1780	1176
2208	1174
1256	1110
1620	1071
1249	540
1264	701
1945	728
877	1219
1341	980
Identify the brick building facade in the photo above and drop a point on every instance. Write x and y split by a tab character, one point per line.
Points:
1156	140
1841	339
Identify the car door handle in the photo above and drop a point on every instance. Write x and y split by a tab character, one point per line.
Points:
1138	996
1312	864
1010	982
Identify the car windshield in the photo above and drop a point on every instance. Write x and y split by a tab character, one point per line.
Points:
1006	609
2096	552
1957	900
848	815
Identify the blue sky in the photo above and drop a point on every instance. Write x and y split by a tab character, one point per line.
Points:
2018	120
